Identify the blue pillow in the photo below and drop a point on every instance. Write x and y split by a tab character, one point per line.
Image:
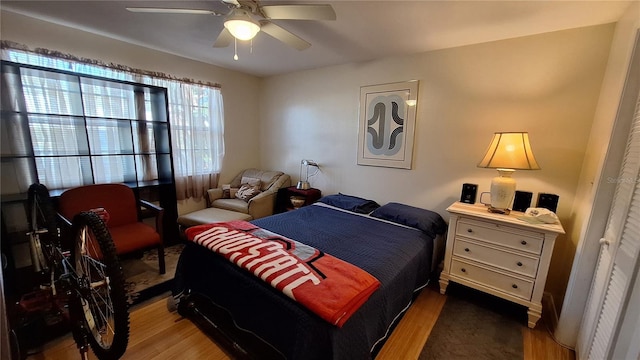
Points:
431	223
351	203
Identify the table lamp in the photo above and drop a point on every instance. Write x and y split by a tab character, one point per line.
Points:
507	152
303	184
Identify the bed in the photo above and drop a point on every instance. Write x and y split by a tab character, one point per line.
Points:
399	245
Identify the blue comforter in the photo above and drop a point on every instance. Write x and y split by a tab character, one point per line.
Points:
399	257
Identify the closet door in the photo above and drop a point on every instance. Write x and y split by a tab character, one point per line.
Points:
618	261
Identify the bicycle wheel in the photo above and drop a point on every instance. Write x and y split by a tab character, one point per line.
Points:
99	302
42	226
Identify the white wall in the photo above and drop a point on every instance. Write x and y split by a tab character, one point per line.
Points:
547	85
602	162
240	91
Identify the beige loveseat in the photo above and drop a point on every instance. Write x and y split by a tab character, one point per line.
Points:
229	207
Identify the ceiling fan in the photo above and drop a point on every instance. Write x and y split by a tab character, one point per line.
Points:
247	17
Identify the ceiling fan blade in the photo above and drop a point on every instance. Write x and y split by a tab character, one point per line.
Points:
284	35
224	39
299	12
172	11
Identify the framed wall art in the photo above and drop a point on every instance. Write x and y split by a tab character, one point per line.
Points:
387	123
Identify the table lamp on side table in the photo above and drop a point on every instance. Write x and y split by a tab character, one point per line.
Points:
303	184
507	152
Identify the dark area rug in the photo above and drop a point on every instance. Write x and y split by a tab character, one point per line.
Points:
142	278
478	326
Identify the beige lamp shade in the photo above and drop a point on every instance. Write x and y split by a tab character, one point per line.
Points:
509	150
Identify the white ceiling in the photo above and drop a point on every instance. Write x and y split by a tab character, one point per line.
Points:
363	31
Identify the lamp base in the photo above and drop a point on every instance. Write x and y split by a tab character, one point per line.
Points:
491	209
303	185
503	189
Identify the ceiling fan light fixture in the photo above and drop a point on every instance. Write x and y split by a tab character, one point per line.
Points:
241	25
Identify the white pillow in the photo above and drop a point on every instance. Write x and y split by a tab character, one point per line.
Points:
246	192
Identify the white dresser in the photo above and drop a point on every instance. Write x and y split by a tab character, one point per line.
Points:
499	254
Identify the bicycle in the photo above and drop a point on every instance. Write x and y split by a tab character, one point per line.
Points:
87	269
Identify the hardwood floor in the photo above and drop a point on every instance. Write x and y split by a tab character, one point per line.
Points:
159	334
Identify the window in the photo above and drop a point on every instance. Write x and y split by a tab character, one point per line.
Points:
194	130
195	112
69	130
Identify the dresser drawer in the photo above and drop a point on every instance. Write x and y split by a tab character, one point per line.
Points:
521	264
511	285
511	237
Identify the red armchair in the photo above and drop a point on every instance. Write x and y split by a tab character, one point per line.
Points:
128	233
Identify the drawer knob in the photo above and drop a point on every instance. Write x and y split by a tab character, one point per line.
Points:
466	249
514	286
523	242
469	230
519	263
463	270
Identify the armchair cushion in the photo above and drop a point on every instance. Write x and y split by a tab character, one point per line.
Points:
267	178
251	182
146	237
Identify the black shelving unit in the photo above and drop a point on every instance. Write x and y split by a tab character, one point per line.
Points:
143	152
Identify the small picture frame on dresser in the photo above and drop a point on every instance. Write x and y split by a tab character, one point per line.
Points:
522	200
548	201
469	193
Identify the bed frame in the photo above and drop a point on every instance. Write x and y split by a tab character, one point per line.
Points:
218	323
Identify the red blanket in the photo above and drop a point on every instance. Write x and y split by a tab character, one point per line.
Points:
330	287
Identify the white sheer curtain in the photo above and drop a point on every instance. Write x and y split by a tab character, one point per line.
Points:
196	116
197	135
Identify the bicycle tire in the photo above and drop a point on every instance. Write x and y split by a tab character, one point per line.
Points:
43	230
99	287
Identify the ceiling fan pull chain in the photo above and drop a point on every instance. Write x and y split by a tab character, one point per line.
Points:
235	49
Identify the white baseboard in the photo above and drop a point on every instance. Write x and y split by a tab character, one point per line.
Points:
550	317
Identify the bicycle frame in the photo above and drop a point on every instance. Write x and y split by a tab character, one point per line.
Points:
62	274
98	311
